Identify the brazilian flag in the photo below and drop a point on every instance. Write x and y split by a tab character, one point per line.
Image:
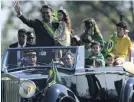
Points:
54	76
110	44
54	15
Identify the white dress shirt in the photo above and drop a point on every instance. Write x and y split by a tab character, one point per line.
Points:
18	52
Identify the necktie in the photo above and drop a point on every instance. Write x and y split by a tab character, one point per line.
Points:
20	56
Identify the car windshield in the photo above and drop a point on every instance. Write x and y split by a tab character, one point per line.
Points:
63	57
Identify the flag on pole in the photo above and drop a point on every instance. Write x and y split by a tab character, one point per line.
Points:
54	16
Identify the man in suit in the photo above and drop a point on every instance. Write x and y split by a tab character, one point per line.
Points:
22	40
30	37
44	29
15	56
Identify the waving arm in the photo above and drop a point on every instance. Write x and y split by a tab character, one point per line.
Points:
28	22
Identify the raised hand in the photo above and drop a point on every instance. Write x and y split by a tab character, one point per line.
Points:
16	7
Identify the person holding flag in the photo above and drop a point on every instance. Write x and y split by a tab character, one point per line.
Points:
120	43
109	45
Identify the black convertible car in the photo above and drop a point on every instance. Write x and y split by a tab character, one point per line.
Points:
27	83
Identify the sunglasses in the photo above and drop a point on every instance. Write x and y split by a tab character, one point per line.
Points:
22	36
31	38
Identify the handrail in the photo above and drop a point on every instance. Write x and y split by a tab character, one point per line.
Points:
48	47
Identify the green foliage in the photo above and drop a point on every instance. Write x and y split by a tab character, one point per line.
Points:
106	14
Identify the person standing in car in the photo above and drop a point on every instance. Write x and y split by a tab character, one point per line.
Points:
22	40
21	43
30	38
44	29
121	42
63	32
95	53
92	30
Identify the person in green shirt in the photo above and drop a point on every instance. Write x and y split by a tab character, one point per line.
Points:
87	41
92	30
95	54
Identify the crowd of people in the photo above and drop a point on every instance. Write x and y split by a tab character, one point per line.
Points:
58	32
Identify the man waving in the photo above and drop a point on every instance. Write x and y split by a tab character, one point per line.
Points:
44	29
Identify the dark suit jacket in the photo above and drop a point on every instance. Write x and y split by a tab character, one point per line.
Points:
13	54
43	37
14	45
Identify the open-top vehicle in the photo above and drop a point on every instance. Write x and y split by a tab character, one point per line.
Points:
27	83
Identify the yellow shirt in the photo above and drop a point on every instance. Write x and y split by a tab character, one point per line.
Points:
122	46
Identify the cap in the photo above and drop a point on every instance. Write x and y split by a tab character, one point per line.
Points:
31	53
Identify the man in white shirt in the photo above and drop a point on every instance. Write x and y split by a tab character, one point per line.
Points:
22	42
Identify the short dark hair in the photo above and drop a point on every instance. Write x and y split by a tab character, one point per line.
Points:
122	24
110	55
95	43
76	39
47	7
28	33
22	31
